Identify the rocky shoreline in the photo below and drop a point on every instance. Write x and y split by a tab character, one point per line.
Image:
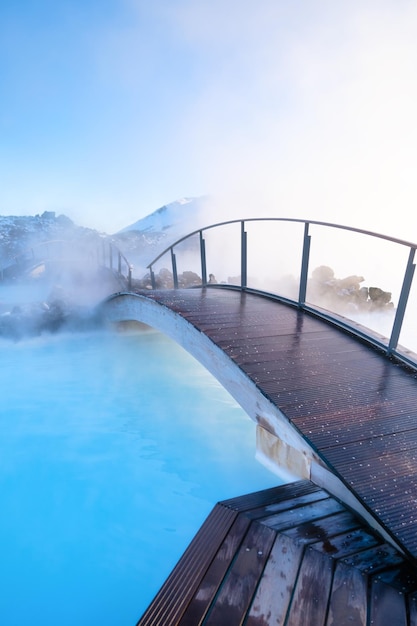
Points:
34	319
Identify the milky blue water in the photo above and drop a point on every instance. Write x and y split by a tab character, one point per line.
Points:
113	450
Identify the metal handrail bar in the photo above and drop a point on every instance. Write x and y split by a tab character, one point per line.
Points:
203	259
113	249
304	266
243	256
402	302
403	242
31	249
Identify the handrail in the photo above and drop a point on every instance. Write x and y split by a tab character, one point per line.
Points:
113	251
390	346
108	255
283	219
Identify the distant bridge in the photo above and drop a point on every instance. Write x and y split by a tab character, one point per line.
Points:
70	260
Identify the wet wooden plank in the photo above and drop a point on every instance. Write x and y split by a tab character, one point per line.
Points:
403	578
236	593
340	428
300	515
300	491
211	581
388	606
174	595
290	504
312	590
348	598
383	445
412	608
275	589
347	543
375	559
323	528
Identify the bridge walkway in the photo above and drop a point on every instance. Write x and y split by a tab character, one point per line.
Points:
355	407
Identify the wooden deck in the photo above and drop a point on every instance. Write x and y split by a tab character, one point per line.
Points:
355	407
290	555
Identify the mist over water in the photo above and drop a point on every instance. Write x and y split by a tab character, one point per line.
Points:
113	448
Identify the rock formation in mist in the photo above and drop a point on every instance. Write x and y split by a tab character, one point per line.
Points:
36	318
344	295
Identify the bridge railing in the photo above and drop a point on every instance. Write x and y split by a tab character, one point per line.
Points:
357	279
75	254
110	256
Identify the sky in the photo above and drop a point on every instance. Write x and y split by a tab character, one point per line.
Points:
110	109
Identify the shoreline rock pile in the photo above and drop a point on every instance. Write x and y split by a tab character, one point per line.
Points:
36	318
346	294
324	289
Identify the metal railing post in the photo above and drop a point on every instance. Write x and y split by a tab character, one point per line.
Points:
402	302
129	278
244	257
119	262
153	281
203	259
110	256
304	267
174	269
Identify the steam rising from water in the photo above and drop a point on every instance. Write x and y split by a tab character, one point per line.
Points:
55	291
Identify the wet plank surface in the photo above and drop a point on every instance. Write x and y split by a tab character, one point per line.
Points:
356	407
316	564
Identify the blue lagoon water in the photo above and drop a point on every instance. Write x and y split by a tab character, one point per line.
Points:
114	448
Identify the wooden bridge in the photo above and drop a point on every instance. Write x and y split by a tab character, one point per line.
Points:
336	407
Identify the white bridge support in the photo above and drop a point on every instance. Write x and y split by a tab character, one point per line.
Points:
279	446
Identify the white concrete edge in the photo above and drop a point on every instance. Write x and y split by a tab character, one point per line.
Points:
132	307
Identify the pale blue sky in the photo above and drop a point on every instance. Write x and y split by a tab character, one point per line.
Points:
112	108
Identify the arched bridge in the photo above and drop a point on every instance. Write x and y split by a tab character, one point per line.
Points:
301	322
60	257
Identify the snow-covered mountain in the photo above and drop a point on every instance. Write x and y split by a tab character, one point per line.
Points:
172	217
146	238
